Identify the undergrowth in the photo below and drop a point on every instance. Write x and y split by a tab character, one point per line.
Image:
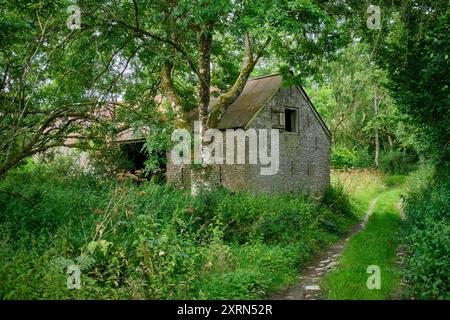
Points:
133	239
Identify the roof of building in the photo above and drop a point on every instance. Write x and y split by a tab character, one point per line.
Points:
254	96
257	92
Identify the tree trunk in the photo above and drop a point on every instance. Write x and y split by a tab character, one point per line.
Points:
377	149
200	177
205	44
226	99
377	140
391	144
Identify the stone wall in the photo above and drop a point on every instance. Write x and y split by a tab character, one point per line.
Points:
304	155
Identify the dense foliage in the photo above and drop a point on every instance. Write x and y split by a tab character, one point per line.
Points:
415	54
152	65
135	239
124	56
368	130
411	55
427	234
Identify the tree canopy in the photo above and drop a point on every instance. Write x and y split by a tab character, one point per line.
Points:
123	54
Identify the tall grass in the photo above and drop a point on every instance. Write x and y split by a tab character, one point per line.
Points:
362	186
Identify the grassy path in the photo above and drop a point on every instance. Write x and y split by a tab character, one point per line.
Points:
308	287
342	271
376	245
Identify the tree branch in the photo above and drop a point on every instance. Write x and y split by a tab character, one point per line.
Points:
167	85
178	47
226	99
136	13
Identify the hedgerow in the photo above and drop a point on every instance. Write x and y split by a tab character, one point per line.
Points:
426	235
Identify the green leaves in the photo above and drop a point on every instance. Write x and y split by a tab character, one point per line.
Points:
157	242
343	157
119	50
414	54
426	233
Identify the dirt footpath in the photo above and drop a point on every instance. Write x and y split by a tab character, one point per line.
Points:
308	286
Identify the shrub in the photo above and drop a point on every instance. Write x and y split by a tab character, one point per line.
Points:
395	180
337	200
342	157
426	235
397	162
364	158
337	210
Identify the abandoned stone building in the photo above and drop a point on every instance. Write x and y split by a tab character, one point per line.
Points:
304	141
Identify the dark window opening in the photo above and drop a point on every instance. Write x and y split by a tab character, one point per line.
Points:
290	120
134	156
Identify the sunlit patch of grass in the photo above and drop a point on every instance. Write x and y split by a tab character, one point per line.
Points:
361	185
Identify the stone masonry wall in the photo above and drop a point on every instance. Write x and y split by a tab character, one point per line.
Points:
304	155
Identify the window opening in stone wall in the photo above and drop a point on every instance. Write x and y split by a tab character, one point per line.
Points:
290	120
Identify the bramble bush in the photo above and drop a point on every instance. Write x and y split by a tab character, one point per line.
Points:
134	239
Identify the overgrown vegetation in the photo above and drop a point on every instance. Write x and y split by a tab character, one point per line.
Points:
137	240
359	110
391	162
426	235
151	66
361	186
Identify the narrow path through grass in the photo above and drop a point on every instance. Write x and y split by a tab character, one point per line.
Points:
308	287
377	246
